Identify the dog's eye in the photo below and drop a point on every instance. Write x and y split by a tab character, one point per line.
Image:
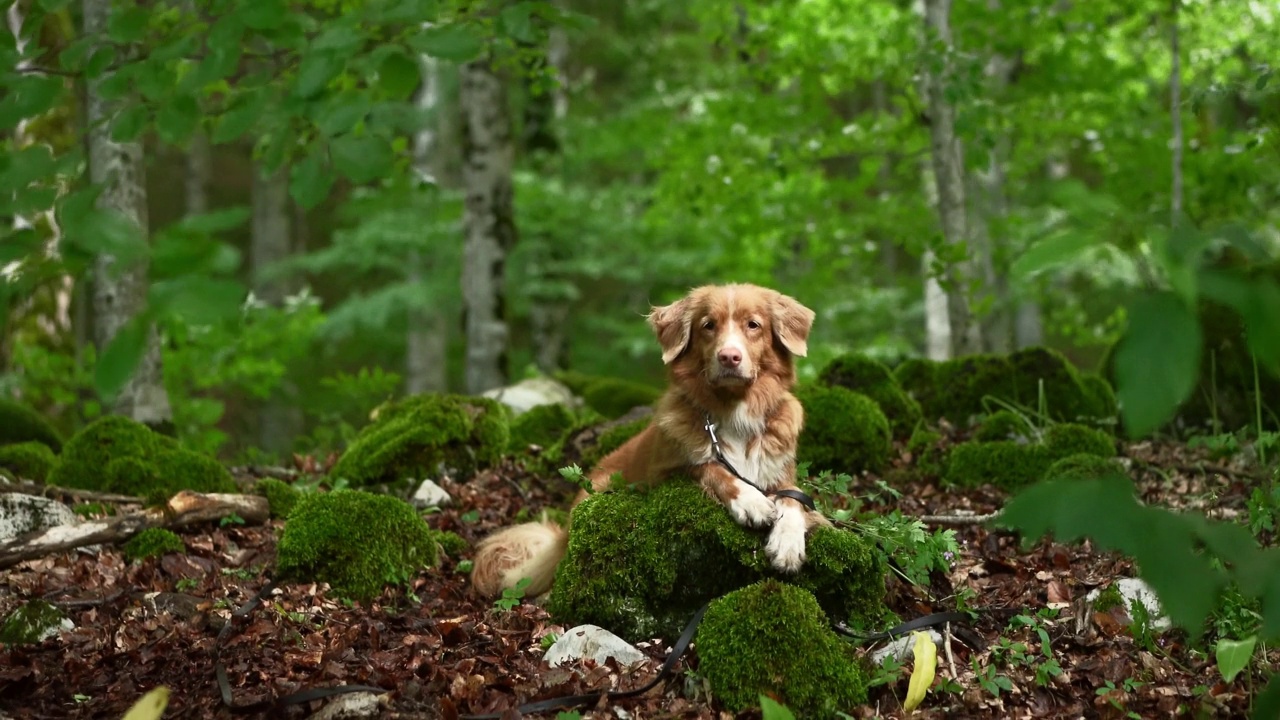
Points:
709	325
753	324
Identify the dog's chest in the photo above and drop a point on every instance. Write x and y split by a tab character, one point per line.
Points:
741	440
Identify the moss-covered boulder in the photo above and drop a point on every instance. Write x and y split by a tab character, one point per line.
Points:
640	563
1004	425
414	437
281	496
116	454
31	460
356	541
873	378
33	623
1083	466
1044	375
540	425
844	431
772	638
19	423
925	447
612	397
153	542
1010	464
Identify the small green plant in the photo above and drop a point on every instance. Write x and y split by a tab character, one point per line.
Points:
153	542
1114	695
512	596
988	679
887	672
470	516
465	566
232	519
569	715
909	543
185	584
548	640
1221	445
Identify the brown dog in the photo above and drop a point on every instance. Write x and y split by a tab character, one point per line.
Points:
728	351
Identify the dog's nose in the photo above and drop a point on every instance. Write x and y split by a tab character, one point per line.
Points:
730	357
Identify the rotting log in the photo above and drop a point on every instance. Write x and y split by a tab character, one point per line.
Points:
185	508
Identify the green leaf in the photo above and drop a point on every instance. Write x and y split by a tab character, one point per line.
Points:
220	63
100	60
341	113
310	181
315	72
262	14
338	38
29	96
130	123
457	43
128	25
216	221
1054	250
1257	301
773	710
516	21
73	57
198	299
1234	655
1157	361
240	118
178	120
399	75
362	158
120	358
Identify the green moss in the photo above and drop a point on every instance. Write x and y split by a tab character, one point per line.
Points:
1066	439
1102	397
772	638
88	510
153	542
1011	464
116	454
614	398
411	438
31	623
844	431
280	495
925	447
19	423
641	563
31	460
1065	396
1003	425
1109	598
541	425
1084	466
612	439
966	383
872	378
576	381
452	543
356	541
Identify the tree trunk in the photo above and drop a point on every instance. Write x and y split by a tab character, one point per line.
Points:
488	221
199	174
280	421
1175	116
948	169
120	293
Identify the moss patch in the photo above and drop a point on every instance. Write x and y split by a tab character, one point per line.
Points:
116	454
773	638
19	423
153	542
872	378
1011	465
281	496
844	431
356	541
1004	425
541	425
1083	466
925	447
31	623
31	460
613	398
1040	372
641	563
411	438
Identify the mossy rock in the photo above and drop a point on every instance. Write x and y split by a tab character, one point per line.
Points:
612	397
281	496
115	454
640	563
1083	466
1004	425
153	542
873	378
967	384
612	439
930	458
356	541
1011	465
575	380
31	460
413	437
541	425
32	623
773	638
918	378
19	423
844	431
1065	395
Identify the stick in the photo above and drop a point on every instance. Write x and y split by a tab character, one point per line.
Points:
958	519
30	488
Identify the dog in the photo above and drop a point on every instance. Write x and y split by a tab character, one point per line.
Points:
727	419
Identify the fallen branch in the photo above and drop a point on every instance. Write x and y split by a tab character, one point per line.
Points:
27	487
961	520
185	508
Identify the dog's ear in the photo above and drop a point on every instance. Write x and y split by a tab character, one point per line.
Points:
791	324
671	323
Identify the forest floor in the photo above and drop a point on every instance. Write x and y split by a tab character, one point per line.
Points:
441	650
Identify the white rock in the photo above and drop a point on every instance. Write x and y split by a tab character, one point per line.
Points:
354	706
1132	589
530	393
592	641
429	494
21	514
901	648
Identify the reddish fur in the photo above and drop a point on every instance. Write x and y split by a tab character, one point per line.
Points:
758	391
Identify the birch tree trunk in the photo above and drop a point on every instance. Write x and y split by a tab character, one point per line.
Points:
121	292
279	419
937	320
427	338
948	169
488	222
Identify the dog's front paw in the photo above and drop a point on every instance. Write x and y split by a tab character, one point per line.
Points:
751	507
786	545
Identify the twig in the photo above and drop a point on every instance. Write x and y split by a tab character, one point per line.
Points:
946	647
961	520
31	488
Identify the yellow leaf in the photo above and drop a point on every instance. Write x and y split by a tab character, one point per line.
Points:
150	706
926	654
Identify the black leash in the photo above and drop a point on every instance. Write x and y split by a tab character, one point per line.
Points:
716	452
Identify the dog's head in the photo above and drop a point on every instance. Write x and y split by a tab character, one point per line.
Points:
731	335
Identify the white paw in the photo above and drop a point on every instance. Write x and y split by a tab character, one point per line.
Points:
751	507
786	545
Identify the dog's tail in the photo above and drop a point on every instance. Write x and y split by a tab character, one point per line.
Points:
532	550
